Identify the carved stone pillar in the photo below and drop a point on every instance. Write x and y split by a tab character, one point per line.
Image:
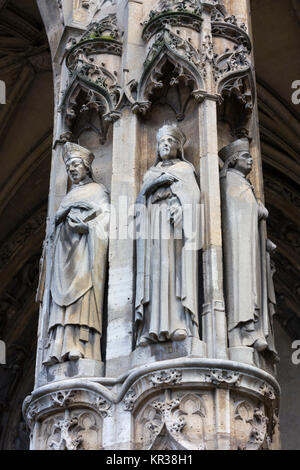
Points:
123	69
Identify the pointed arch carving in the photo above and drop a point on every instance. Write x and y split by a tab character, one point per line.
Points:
168	422
185	61
93	101
235	84
165	441
93	91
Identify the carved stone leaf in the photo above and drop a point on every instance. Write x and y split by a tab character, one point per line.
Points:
166	377
129	400
224	377
103	406
63	398
268	391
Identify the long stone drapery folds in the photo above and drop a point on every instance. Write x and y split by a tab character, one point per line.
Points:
168	227
249	320
79	264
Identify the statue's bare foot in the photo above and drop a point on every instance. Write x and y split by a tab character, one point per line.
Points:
144	341
74	355
179	335
260	345
50	361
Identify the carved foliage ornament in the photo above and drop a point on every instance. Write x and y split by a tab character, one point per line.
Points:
254	424
268	391
129	400
169	377
63	398
231	61
224	377
103	406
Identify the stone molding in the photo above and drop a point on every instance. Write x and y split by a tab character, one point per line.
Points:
208	372
83	397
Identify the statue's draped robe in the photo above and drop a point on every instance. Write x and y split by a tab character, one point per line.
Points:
271	305
78	274
167	256
245	274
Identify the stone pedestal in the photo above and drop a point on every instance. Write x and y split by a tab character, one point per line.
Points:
191	347
185	403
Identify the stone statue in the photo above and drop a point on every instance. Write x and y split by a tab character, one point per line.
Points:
244	252
167	227
271	298
79	263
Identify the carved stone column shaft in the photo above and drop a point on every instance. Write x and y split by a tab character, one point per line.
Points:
151	91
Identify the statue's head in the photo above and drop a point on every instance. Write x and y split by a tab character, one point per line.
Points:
78	161
237	155
170	142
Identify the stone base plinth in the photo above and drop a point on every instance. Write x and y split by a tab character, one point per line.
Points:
69	370
242	354
190	347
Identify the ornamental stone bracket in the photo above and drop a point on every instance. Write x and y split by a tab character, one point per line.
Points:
166	400
66	419
175	405
182	371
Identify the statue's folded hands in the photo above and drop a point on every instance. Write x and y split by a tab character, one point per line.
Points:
167	290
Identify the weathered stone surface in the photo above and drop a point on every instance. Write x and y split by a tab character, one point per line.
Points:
245	254
167	229
168	378
78	267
